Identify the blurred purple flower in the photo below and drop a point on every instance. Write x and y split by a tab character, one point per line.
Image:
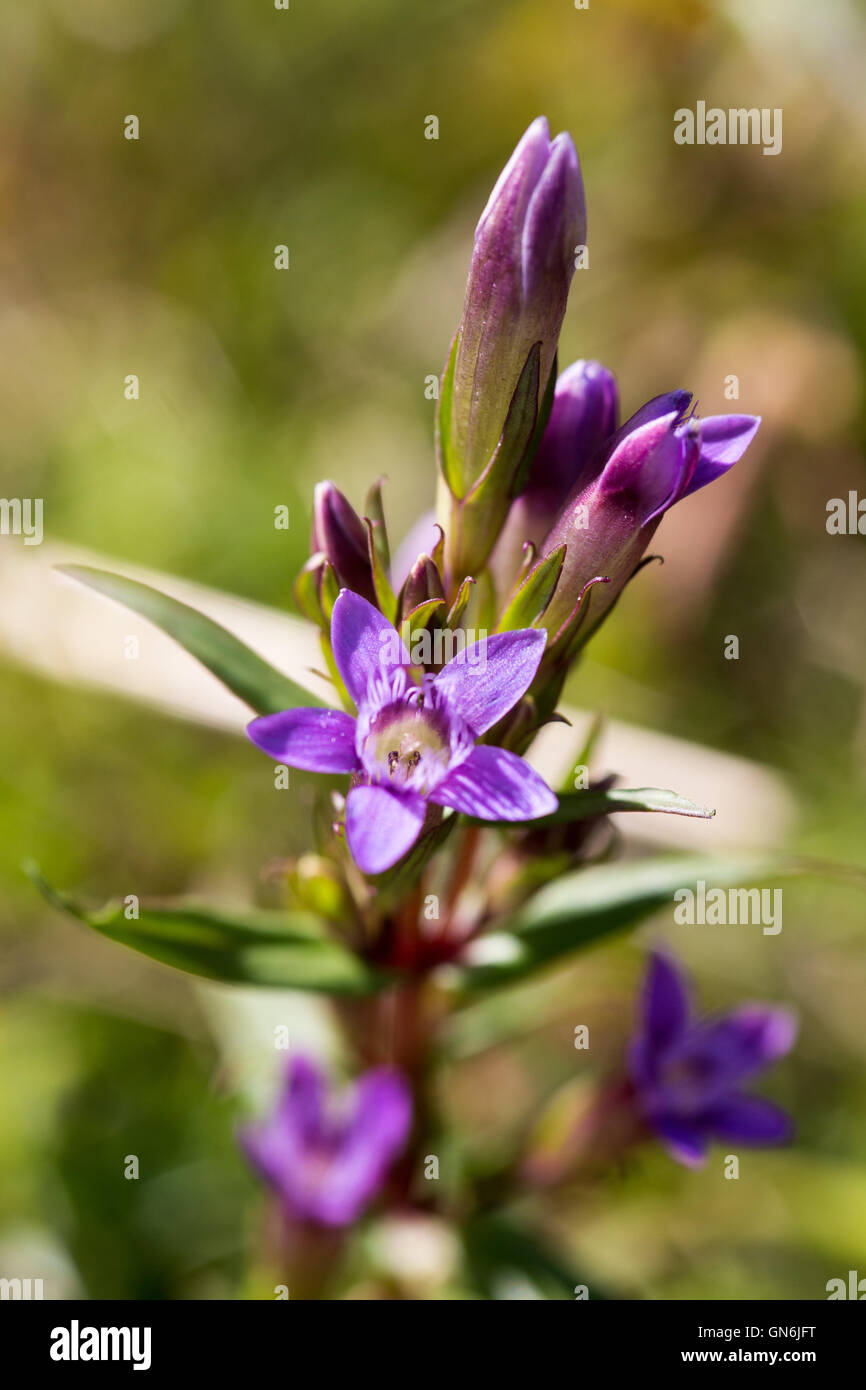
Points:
654	460
327	1157
687	1074
413	743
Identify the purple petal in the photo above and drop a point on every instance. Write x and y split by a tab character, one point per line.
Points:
684	1141
317	740
670	403
381	825
483	682
374	1136
646	468
301	1106
555	223
664	1008
383	1111
494	784
276	1147
749	1120
364	643
513	188
724	440
728	1050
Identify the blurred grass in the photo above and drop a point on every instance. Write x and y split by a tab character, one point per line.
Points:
306	127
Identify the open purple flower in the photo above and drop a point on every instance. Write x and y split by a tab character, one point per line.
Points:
413	742
327	1157
687	1074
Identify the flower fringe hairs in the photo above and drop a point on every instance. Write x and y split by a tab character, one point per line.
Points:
444	865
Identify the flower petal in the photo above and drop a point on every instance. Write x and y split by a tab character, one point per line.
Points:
727	1050
381	825
317	740
684	1141
364	643
664	1016
484	681
676	402
276	1146
724	440
495	785
374	1136
749	1120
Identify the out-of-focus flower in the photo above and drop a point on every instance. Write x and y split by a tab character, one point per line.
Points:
505	347
327	1157
584	415
413	743
656	458
339	534
688	1074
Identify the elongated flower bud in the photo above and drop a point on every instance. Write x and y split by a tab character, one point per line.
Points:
505	347
657	458
584	415
423	585
339	534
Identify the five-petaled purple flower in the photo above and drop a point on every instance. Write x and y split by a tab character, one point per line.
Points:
327	1157
413	743
687	1074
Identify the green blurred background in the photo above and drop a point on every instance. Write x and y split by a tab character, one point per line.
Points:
306	127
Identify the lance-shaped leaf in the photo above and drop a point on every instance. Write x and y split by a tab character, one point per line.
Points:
507	1262
418	619
595	902
460	604
385	596
581	805
273	949
245	674
533	594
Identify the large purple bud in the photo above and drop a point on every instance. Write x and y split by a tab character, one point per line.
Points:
503	354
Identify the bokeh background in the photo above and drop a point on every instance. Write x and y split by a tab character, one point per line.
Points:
155	257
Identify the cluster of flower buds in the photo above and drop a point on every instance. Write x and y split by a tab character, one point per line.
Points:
546	503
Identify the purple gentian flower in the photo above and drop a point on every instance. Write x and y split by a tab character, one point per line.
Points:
413	743
657	458
327	1157
687	1074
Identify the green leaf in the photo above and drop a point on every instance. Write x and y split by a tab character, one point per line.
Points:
591	903
374	511
533	594
448	464
506	1261
581	805
458	607
417	620
247	675
541	419
385	596
273	949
